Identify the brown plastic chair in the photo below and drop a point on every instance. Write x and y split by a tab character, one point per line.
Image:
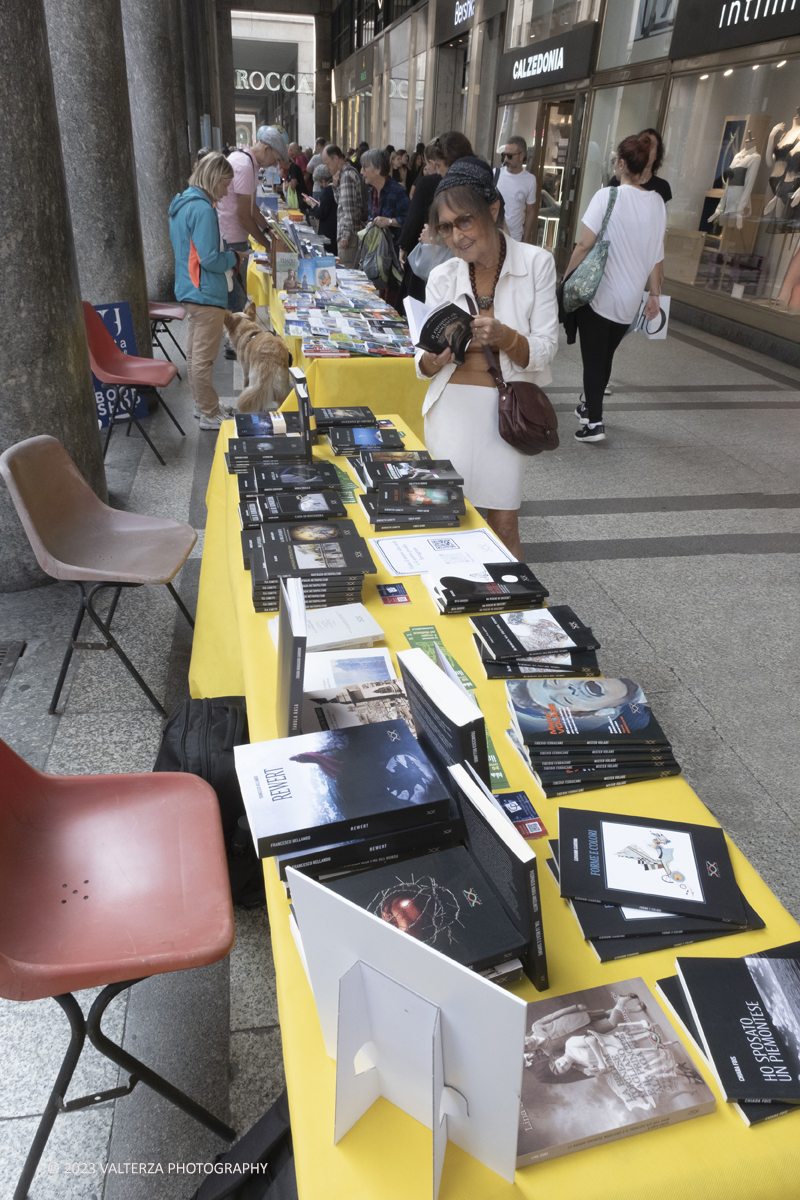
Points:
106	880
160	317
76	537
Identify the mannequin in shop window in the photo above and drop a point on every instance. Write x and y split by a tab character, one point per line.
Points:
739	178
783	158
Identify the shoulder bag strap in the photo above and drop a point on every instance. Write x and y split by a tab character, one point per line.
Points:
609	209
491	365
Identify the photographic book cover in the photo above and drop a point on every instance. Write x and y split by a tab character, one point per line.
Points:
589	711
602	1064
416	497
356	704
533	632
321	787
297	477
442	900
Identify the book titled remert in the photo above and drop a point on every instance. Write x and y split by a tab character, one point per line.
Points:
324	787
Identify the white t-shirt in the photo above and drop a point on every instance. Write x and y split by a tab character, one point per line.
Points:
517	192
635	231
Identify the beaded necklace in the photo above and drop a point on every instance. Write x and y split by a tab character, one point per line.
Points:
485	302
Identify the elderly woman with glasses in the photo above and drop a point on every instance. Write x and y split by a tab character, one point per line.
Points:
513	286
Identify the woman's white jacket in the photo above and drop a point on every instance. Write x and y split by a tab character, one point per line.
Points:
525	300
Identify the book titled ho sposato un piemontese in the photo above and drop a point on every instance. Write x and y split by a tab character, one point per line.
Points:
325	787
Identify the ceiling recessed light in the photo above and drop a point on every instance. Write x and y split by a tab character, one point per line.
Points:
782	64
704	77
728	72
755	68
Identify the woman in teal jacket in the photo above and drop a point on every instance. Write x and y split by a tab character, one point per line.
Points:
203	278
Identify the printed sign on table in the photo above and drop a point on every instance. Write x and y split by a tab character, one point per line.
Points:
118	321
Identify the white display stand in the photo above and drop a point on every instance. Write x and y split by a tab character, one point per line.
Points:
405	1022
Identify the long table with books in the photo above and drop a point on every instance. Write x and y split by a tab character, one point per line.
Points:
386	1155
337	381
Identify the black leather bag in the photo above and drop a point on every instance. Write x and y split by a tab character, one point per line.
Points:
526	418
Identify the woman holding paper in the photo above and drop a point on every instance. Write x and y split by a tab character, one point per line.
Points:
513	287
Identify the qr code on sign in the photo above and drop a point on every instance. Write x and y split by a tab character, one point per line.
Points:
443	544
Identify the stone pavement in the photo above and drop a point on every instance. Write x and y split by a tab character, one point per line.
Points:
677	539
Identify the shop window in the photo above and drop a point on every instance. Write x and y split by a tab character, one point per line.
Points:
489	38
617	113
636	31
733	228
536	20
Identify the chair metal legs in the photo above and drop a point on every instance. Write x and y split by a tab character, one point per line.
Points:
155	329
129	407
138	1072
88	593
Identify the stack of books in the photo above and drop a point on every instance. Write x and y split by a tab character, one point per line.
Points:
329	558
346	417
273	440
248	453
365	463
616	930
530	643
296	478
485	588
413	506
287	506
376	471
743	1015
581	734
352	440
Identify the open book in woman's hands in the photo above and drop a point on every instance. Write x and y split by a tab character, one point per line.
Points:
448	326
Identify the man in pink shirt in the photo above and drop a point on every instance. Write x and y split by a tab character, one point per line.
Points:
239	215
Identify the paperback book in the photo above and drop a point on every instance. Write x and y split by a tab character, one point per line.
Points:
347	668
484	587
320	788
446	326
355	414
582	712
298	477
358	704
424	519
650	864
567	665
267	425
439	472
286	506
351	441
292	633
245	453
412	498
532	633
602	1064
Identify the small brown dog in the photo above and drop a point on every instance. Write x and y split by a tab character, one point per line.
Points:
264	359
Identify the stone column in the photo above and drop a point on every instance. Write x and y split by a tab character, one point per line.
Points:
179	90
227	100
94	116
190	78
322	86
150	85
45	380
213	74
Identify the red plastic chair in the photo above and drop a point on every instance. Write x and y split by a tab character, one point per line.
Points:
127	373
160	317
106	880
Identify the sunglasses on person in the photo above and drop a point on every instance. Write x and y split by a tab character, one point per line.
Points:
514	154
463	224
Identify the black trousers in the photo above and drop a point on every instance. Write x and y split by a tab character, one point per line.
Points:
599	340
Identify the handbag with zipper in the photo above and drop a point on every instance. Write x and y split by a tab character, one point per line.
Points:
580	287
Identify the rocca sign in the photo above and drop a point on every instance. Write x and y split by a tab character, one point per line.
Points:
272	81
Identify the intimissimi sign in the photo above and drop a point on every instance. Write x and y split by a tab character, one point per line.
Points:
556	60
704	28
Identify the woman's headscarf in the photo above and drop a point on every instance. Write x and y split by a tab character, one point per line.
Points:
472	173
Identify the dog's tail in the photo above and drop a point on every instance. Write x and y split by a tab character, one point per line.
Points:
268	396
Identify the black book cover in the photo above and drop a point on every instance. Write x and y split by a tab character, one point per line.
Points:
304	409
447	328
567	776
747	1011
509	862
607	858
320	788
358	439
440	899
297	477
634	756
287	506
405	498
357	854
317	553
532	633
292	637
449	724
421	520
252	545
249	452
583	712
581	663
393	456
488	583
439	471
267	425
356	414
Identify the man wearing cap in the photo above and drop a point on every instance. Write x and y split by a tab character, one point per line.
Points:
239	215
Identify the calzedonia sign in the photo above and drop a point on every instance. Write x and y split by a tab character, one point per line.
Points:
556	60
704	28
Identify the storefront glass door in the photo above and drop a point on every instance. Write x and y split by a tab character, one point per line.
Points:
549	167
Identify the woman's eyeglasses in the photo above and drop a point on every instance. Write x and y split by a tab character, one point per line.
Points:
463	224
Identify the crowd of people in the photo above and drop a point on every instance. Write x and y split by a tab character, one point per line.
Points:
458	227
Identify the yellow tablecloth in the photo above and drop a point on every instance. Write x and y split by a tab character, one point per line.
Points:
387	1155
333	382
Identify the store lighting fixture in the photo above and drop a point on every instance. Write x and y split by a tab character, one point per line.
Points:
755	68
703	77
728	72
782	64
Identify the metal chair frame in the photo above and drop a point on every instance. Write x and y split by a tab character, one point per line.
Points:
128	405
88	592
161	325
138	1073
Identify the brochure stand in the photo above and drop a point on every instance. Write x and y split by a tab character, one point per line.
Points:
412	1025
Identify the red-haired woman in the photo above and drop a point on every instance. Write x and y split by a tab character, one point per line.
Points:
635	231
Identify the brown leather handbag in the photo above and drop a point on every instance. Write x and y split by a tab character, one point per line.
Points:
526	418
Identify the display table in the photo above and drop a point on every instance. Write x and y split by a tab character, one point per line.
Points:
336	381
387	1155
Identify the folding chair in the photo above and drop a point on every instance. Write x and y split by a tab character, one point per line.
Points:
160	317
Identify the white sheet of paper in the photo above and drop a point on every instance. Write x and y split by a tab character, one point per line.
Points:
418	553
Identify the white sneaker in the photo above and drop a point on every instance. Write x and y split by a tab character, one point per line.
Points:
214	422
230	410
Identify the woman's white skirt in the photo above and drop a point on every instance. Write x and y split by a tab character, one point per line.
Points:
462	426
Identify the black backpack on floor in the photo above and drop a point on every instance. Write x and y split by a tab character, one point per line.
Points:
267	1147
199	739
